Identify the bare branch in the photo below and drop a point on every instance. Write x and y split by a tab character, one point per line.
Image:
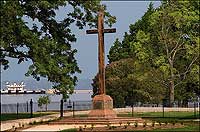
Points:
182	76
189	67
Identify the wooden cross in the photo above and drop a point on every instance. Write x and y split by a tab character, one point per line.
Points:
101	54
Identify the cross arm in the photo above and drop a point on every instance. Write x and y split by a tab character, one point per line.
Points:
94	31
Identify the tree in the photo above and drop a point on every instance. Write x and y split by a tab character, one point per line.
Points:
122	50
176	24
43	100
127	81
166	40
44	40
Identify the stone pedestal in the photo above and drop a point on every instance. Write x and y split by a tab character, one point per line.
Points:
102	107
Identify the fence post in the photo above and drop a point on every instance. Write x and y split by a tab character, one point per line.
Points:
27	106
73	109
164	102
31	106
194	109
61	108
17	110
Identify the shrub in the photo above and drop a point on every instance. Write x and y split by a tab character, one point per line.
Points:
136	124
181	123
125	126
160	123
113	127
80	128
92	126
144	124
43	100
166	123
41	121
20	124
30	123
120	123
153	124
173	123
34	122
108	125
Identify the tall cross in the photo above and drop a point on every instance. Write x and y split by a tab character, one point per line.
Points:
101	54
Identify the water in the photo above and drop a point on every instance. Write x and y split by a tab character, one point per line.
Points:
81	101
23	98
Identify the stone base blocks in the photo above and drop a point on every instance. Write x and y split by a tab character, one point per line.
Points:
102	107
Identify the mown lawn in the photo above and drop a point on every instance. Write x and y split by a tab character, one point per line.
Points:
13	116
189	128
70	130
168	116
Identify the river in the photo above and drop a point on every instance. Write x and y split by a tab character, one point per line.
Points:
23	98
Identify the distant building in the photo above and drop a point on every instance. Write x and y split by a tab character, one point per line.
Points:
15	87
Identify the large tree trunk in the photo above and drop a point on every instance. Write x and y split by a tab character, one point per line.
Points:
171	93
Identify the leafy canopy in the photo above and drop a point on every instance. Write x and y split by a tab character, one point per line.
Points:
43	100
44	40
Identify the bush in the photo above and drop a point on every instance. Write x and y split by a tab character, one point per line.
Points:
34	122
144	124
30	123
153	124
92	126
43	100
113	127
136	124
80	128
181	123
108	125
166	123
20	124
173	123
160	123
120	123
125	126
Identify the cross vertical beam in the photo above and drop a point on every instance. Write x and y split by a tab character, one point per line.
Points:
101	53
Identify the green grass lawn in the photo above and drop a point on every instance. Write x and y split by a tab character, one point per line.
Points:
188	128
188	115
168	116
69	130
185	117
13	116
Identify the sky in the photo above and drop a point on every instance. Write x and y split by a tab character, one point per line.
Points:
127	13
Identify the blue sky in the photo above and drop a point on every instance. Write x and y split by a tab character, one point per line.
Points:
126	13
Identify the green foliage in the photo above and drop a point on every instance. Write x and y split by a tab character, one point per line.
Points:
128	82
165	43
44	100
30	32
